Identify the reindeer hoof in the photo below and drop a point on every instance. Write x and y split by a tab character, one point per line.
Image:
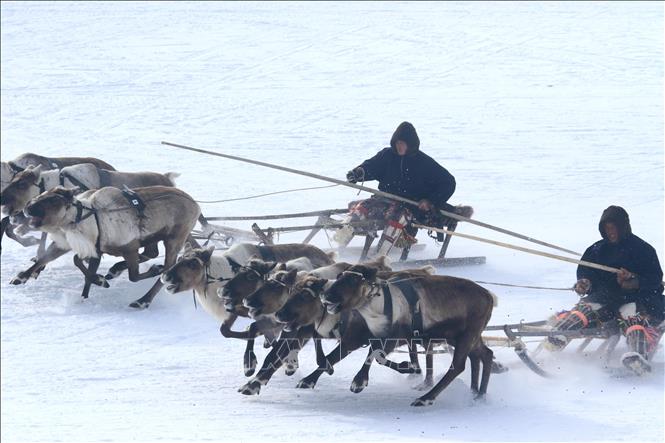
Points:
422	401
18	280
358	385
139	304
34	259
250	364
480	398
101	281
306	384
290	369
406	367
156	270
251	388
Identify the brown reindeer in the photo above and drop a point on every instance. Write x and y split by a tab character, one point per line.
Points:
304	317
104	221
452	309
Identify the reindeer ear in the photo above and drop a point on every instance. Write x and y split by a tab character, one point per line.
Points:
235	266
188	248
319	283
280	267
37	169
290	277
67	194
207	253
370	274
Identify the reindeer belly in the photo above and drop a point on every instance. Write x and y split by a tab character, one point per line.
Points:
81	244
212	303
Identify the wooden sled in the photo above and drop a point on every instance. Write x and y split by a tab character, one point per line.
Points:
608	332
366	228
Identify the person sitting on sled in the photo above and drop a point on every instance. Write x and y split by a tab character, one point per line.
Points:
633	297
404	170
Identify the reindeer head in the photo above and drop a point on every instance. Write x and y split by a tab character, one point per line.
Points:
246	280
304	306
270	297
18	192
49	210
189	271
7	174
351	290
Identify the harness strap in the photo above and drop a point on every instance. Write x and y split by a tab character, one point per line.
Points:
71	178
388	303
79	213
15	167
581	316
134	200
413	299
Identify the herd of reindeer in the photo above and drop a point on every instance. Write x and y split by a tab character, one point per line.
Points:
294	293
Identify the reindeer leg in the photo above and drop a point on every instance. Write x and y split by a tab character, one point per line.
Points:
8	228
488	360
287	342
341	351
474	358
462	349
150	251
249	360
413	355
42	244
33	271
429	367
90	273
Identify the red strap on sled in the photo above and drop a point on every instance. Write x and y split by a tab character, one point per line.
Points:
395	224
650	333
581	316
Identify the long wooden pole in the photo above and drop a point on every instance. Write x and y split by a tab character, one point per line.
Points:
588	264
372	191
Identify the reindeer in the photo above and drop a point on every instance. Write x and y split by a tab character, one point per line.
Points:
32	181
105	221
8	171
452	309
206	274
303	319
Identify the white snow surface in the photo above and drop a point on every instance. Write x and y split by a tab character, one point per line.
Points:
546	113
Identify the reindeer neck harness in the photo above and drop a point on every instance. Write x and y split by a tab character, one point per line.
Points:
80	217
63	175
410	294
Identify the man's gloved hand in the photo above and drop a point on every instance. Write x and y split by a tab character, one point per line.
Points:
582	286
627	280
355	175
425	205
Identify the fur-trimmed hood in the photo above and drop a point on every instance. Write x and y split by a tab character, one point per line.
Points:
407	133
619	217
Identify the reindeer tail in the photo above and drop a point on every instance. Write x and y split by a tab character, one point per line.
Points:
495	299
431	270
172	176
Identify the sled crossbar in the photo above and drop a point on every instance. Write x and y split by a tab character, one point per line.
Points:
280	216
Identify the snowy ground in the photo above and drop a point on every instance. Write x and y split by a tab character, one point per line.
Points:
546	113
